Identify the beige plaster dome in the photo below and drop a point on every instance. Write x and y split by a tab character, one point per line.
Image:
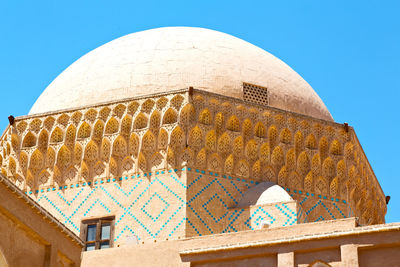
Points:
164	59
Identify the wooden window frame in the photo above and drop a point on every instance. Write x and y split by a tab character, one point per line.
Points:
98	222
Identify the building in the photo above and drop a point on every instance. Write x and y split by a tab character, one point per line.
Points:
190	147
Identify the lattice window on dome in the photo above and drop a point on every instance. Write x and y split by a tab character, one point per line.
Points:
256	94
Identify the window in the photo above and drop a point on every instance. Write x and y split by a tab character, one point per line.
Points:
256	94
98	233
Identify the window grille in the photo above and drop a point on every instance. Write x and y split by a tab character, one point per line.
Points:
255	94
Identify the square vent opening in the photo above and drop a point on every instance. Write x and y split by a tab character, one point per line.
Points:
255	94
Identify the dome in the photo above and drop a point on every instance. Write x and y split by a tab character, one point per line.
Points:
171	58
264	193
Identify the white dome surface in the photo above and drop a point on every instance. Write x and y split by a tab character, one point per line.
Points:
264	193
171	58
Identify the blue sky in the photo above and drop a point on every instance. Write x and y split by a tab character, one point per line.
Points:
348	51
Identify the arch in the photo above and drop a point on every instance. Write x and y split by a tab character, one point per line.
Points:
177	138
171	157
114	167
142	164
334	187
50	157
219	121
156	161
84	130
291	160
268	174
328	168
132	107
21	126
49	122
214	164
35	125
76	117
256	170
349	151
120	148
91	114
126	124
187	156
91	152
303	164
70	175
127	165
23	161
308	182
162	139
201	158
15	142
43	177
238	146
265	153
211	140
321	186
205	117
311	142
298	142
161	102
77	154
247	128
242	169
99	168
286	136
85	171
319	263
104	112
229	164
140	121
323	147
196	137
12	166
105	150
119	110
148	105
63	157
177	101
57	135
277	158
29	140
148	142
98	130
283	176
37	161
272	135
259	130
224	143
63	119
336	148
155	119
187	115
70	134
295	181
316	165
170	116
111	126
262	194
233	124
251	150
134	145
341	169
